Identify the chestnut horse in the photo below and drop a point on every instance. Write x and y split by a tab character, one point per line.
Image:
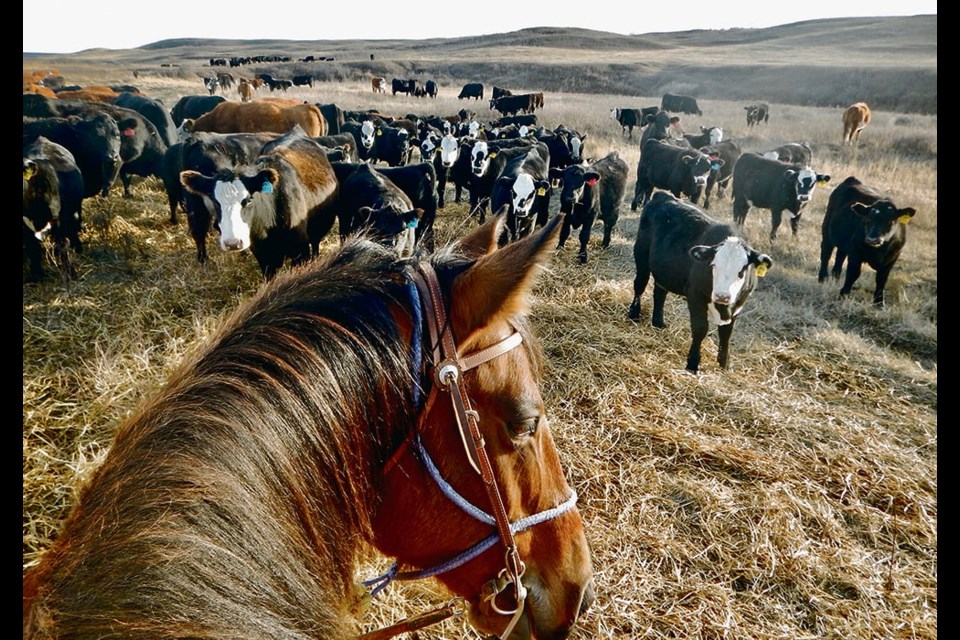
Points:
237	502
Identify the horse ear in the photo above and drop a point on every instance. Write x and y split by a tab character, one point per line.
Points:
483	239
498	284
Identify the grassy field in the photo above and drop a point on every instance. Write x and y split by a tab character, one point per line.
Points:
791	496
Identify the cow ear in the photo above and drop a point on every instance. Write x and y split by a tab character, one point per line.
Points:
906	214
860	209
498	284
264	181
555	173
761	261
702	252
823	179
483	239
196	182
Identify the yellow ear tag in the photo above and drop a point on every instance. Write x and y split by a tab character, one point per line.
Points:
492	155
379	132
904	219
761	269
28	172
541	191
823	182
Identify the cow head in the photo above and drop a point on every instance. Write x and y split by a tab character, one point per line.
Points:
391	227
734	265
716	133
699	167
575	180
449	150
480	157
615	114
575	141
523	192
882	221
368	133
801	184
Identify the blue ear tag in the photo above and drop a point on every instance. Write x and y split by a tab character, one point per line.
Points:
715	166
267	187
412	224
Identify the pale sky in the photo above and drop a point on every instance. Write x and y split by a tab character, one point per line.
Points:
68	26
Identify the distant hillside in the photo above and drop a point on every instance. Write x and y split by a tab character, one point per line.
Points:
889	62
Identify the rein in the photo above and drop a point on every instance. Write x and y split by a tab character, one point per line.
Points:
447	374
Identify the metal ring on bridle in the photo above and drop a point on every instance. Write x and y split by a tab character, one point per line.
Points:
448	374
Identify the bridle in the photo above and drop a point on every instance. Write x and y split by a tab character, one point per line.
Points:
447	377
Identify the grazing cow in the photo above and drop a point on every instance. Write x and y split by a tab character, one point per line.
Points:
680	104
523	188
706	137
791	153
498	92
431	88
771	184
419	182
52	204
588	192
659	128
282	207
94	143
261	116
154	111
471	90
225	80
192	107
679	170
692	255
630	118
303	81
856	117
208	154
723	158
757	113
863	226
370	201
278	84
512	105
378	84
245	89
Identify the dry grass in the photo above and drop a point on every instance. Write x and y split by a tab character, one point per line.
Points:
793	496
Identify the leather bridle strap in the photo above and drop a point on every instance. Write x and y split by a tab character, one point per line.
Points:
448	370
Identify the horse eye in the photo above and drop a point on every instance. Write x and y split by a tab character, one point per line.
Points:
523	428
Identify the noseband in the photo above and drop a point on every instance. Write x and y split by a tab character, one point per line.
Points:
447	376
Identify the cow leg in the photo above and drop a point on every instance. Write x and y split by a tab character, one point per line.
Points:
740	209
33	252
441	188
795	224
882	274
584	239
698	331
854	267
126	179
659	298
639	286
826	250
564	231
725	331
607	232
706	192
318	228
199	223
776	217
838	262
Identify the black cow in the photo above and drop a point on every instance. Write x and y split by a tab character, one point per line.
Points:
154	111
523	189
487	160
303	81
771	184
419	182
707	136
404	86
679	170
680	104
208	154
630	118
52	204
344	141
279	208
431	88
588	192
391	145
659	128
443	151
141	147
512	105
863	226
334	117
757	113
94	143
498	92
692	255
723	158
370	201
565	145
278	84
791	153
192	107
471	90
526	119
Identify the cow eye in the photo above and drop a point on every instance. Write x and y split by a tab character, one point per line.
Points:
246	201
524	427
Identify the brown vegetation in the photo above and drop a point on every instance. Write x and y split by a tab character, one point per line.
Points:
793	496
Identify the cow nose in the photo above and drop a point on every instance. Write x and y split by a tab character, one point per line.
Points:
721	298
234	244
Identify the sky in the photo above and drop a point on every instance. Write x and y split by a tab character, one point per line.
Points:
68	26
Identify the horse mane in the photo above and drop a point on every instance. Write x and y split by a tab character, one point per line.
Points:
240	495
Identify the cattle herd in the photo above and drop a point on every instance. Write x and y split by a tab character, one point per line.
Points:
272	175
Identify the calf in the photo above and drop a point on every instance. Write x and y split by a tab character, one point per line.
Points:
863	226
588	192
487	161
774	185
677	169
659	128
93	142
192	107
523	188
855	118
757	113
370	202
630	118
443	152
723	158
792	153
279	208
52	203
707	136
471	90
692	255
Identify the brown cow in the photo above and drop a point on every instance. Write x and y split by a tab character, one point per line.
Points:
379	84
245	89
92	93
855	118
259	116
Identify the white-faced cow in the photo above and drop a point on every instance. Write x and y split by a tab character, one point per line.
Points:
692	255
855	118
280	208
707	136
770	184
523	187
588	192
378	84
863	226
680	170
